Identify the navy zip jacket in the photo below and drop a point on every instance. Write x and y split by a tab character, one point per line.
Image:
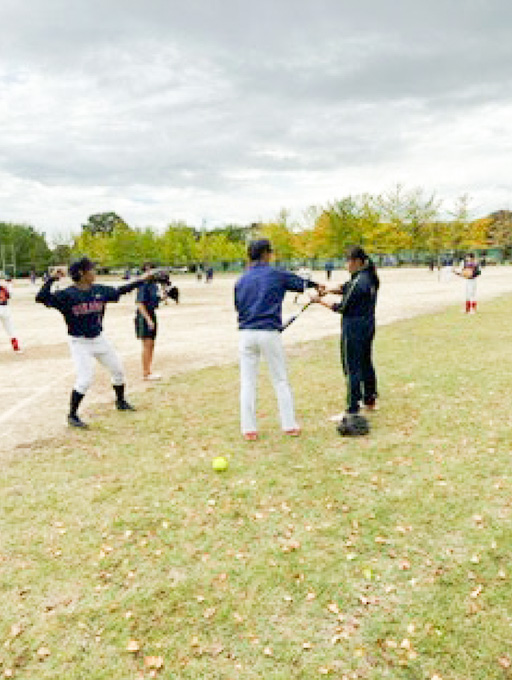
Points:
83	310
359	296
259	294
148	295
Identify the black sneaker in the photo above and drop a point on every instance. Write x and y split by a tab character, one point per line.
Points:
124	406
74	421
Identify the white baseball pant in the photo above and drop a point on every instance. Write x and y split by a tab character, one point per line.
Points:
5	318
83	353
471	290
252	344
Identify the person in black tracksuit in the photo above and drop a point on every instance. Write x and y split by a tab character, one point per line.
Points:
357	306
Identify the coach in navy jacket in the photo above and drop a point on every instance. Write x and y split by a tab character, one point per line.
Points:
259	294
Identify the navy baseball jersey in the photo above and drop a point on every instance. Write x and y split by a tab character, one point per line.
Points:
148	295
83	310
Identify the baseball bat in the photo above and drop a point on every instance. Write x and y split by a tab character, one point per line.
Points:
292	318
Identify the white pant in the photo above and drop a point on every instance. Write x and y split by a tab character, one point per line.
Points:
471	290
5	318
83	353
252	345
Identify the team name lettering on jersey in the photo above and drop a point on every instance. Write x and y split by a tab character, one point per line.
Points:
88	308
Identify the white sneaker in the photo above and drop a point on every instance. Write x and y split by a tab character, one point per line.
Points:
337	418
153	376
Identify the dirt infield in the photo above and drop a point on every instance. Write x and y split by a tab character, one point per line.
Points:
200	331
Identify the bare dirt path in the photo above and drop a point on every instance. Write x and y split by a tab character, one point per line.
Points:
200	331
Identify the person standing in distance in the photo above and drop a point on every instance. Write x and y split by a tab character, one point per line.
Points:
148	300
83	306
5	313
357	307
470	271
259	294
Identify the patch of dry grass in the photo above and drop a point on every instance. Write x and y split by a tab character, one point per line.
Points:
123	555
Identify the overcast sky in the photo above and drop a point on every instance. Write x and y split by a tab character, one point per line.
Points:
217	111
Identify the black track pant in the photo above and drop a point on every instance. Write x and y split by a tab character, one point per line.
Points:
356	356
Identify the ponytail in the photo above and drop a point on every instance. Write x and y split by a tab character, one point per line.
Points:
358	253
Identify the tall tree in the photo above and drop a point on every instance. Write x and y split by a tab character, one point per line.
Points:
411	212
500	231
27	245
104	223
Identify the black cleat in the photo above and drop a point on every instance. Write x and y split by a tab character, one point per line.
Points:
74	421
124	406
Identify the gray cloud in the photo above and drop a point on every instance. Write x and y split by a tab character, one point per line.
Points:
194	98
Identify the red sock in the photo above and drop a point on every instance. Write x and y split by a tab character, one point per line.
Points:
474	306
14	344
468	306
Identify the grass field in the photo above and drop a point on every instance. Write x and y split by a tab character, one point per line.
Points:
124	556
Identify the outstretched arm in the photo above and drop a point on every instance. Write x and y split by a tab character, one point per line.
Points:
45	295
298	285
128	287
333	306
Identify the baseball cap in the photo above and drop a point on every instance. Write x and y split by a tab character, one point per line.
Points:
257	248
84	264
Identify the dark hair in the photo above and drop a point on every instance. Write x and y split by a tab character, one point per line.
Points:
79	267
147	266
358	253
258	248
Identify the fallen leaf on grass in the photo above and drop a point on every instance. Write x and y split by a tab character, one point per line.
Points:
291	546
505	662
153	661
133	646
381	540
43	652
268	651
476	592
16	630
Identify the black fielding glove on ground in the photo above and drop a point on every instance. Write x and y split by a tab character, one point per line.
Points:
353	425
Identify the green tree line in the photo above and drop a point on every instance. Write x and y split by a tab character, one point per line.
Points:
402	221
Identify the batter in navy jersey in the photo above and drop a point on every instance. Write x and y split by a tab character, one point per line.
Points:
83	306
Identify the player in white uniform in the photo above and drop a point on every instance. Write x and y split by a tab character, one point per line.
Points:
470	271
83	307
5	314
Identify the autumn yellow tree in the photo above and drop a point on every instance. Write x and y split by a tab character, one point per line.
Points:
281	236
